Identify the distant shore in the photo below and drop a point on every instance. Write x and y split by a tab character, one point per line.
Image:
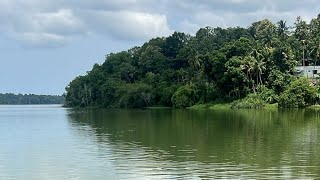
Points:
30	99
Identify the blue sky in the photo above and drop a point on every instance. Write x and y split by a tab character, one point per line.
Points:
46	43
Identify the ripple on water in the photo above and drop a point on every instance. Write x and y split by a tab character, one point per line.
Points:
49	143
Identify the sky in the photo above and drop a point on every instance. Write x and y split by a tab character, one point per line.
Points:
44	44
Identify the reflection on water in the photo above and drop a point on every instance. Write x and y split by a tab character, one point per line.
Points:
201	144
49	142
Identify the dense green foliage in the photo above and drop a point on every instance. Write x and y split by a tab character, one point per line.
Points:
10	98
185	96
252	101
216	64
300	93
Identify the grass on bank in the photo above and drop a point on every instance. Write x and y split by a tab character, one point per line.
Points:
222	106
211	106
315	107
158	107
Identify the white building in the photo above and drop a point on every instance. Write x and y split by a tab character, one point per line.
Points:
308	71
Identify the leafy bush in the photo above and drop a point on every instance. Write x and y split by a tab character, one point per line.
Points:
267	95
135	96
278	80
300	93
208	92
258	100
185	96
252	101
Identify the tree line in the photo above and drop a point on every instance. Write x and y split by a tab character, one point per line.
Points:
249	66
21	99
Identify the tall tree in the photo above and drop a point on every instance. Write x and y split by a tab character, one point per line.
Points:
282	30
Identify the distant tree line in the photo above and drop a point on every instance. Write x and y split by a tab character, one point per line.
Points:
253	65
10	98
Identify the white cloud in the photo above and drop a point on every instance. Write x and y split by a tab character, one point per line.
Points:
56	21
39	39
41	22
231	13
46	29
61	22
127	25
110	4
189	27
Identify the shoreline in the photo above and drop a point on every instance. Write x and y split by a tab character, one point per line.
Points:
206	106
228	106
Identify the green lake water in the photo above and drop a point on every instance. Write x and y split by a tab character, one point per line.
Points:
50	142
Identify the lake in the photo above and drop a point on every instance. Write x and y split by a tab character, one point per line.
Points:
51	142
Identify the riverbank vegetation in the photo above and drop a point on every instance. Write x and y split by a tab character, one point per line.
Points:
246	67
22	99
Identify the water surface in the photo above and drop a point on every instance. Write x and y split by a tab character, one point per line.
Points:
50	142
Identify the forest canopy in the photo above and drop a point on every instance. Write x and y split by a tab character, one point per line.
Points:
256	63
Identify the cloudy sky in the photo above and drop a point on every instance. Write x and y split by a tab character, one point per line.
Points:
46	43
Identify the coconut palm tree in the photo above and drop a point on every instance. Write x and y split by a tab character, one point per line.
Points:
196	63
282	29
315	52
248	67
259	65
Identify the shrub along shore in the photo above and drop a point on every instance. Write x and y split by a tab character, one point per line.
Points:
238	67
